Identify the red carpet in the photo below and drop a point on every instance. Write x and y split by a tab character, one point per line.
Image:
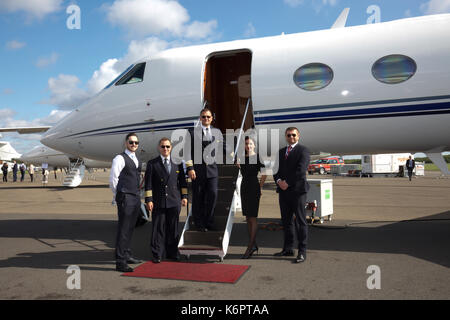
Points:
208	272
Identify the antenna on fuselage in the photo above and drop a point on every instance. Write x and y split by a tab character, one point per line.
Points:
341	20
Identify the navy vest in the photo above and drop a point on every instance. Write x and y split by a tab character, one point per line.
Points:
129	177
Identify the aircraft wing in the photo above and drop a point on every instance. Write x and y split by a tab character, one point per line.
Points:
25	130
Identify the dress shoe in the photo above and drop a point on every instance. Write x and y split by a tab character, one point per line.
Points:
156	260
284	253
250	252
133	260
123	267
300	258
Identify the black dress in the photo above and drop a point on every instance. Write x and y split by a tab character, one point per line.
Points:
250	189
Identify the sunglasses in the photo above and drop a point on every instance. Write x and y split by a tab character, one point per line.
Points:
133	142
291	135
164	147
206	117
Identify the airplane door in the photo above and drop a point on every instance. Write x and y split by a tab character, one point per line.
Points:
227	87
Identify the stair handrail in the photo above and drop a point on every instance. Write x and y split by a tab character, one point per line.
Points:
241	130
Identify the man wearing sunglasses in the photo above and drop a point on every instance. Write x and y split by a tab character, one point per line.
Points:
165	191
204	175
292	188
124	182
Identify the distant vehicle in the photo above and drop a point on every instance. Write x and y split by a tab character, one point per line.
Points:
324	165
383	164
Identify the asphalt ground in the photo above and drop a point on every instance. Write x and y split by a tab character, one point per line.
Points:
400	227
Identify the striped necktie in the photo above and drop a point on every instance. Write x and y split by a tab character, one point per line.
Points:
287	152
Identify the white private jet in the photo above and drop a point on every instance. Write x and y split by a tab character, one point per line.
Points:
377	88
41	155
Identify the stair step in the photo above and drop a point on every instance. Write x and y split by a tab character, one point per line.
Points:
220	223
209	238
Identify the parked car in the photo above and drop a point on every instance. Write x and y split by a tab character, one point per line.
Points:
324	165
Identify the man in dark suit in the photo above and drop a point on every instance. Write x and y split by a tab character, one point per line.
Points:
203	171
410	165
124	182
165	190
15	169
292	188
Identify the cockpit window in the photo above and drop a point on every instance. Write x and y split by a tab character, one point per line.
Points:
136	74
118	77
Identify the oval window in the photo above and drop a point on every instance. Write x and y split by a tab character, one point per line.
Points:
395	68
313	76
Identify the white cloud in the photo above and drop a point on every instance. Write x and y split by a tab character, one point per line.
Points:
6	113
65	93
293	3
65	90
156	17
33	8
250	31
200	30
15	45
47	60
436	6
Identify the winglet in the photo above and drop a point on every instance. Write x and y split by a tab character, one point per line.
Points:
341	20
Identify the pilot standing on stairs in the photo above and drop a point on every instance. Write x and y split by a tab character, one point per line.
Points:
124	182
204	175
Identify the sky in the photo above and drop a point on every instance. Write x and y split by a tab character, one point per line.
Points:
55	54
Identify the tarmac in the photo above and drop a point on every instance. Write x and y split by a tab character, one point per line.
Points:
400	227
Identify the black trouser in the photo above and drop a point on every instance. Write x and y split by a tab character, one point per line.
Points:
128	208
22	176
5	176
291	204
14	176
165	232
204	197
31	176
410	171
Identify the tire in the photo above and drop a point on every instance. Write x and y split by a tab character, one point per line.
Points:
322	171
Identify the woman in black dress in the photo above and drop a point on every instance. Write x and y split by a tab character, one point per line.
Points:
251	192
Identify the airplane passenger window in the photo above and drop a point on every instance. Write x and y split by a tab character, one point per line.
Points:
136	74
313	76
393	69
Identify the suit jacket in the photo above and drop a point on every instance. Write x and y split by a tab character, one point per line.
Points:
293	169
202	170
164	190
411	166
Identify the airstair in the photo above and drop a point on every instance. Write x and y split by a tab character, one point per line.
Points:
215	242
76	173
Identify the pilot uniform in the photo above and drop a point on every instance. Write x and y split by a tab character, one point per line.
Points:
165	186
204	187
124	182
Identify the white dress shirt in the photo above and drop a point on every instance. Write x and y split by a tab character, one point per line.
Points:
118	164
207	133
